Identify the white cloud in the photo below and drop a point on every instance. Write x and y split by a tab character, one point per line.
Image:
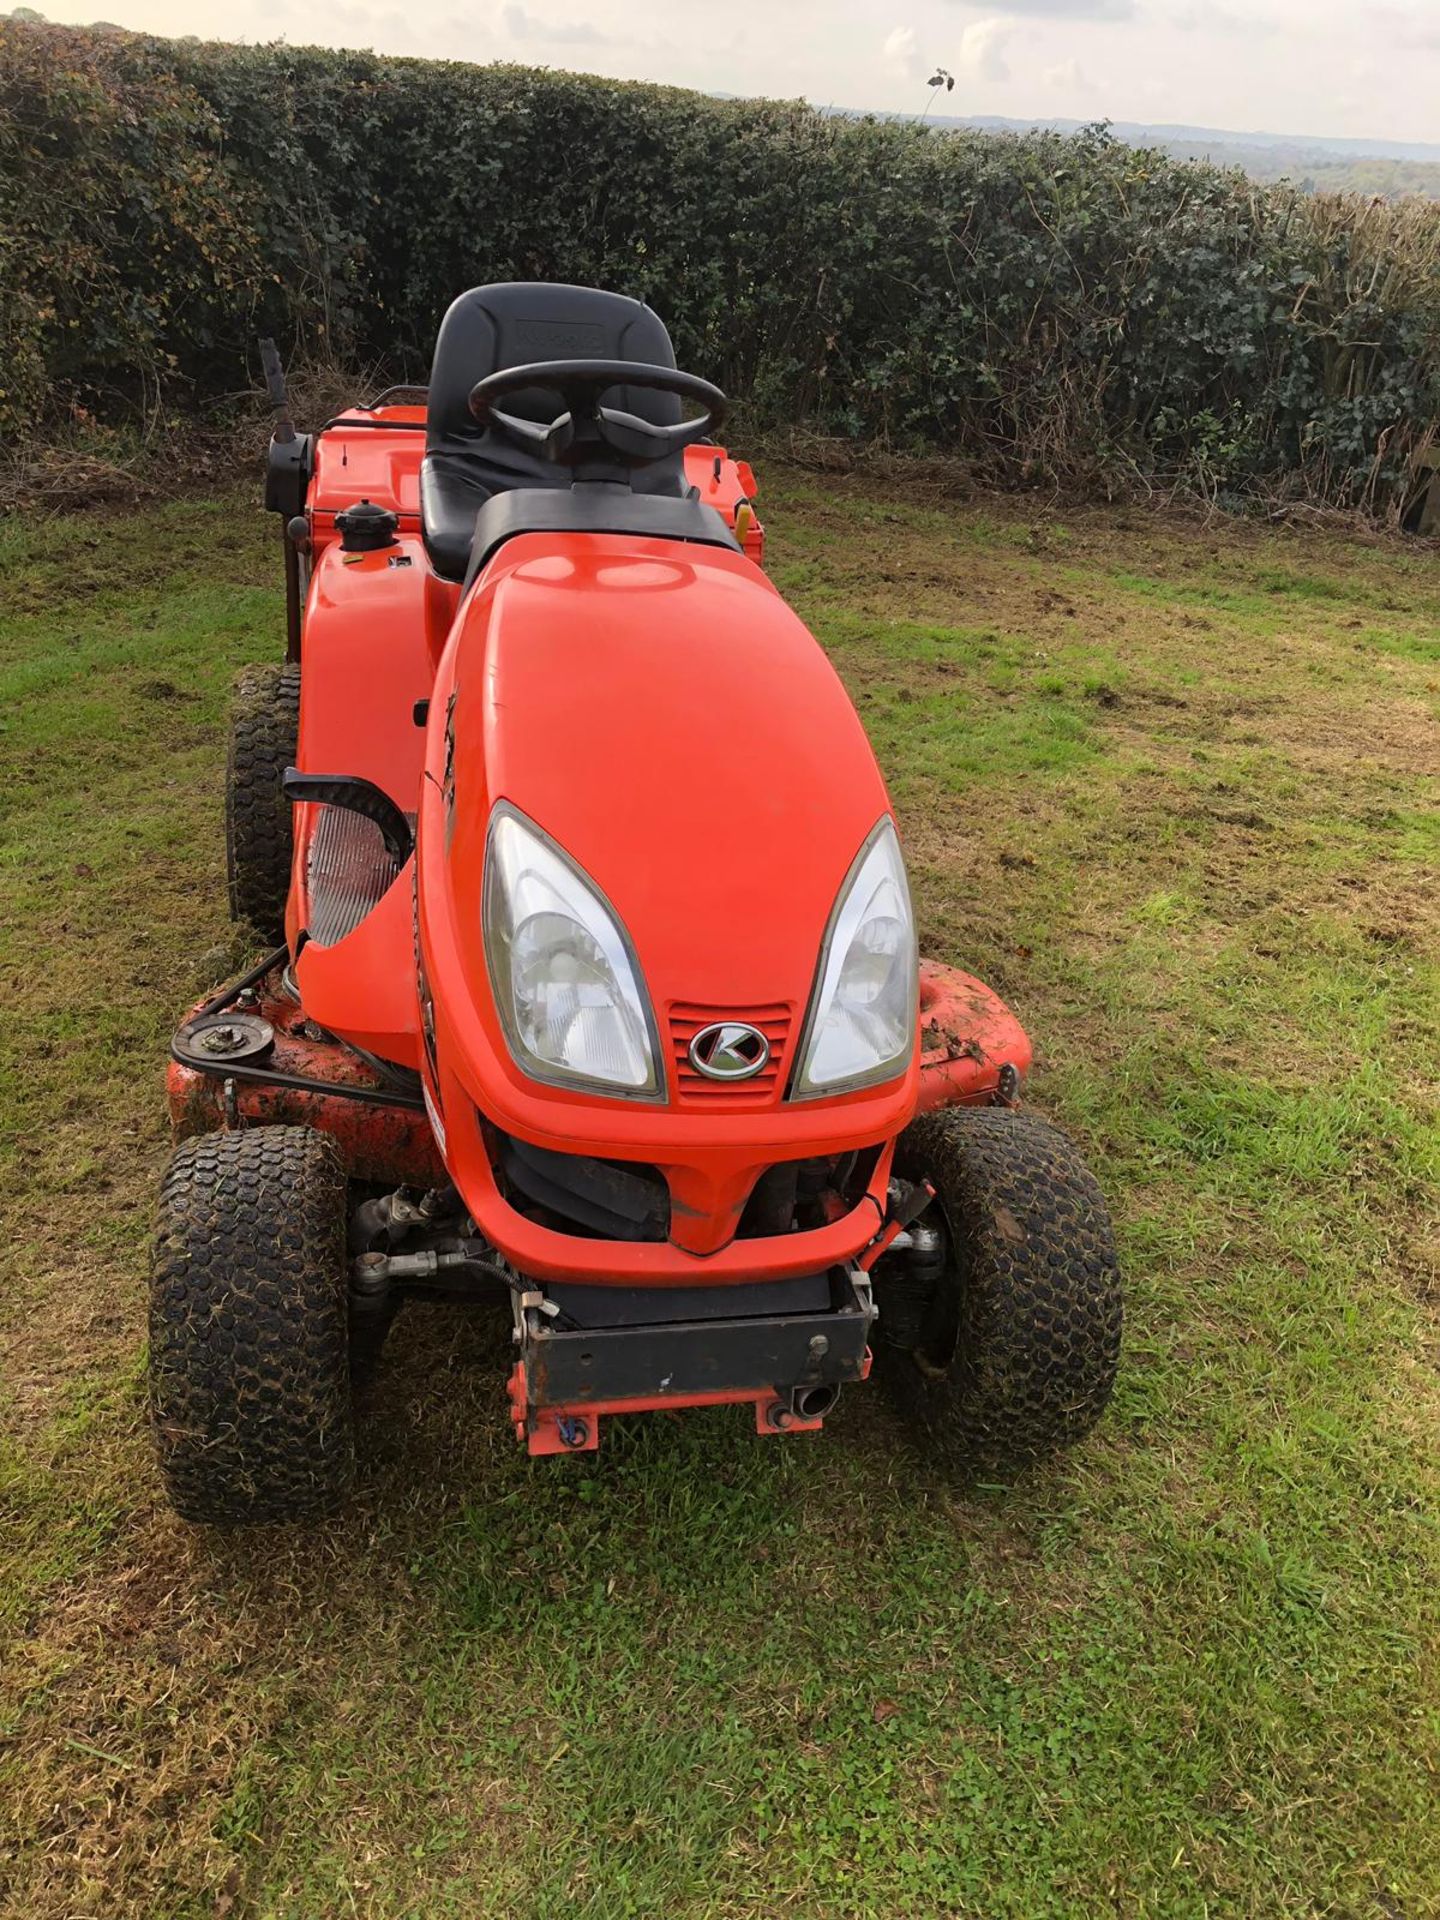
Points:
982	50
520	24
1067	78
1417	31
901	54
1289	66
1072	9
1210	17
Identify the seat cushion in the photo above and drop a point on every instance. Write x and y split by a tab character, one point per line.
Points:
511	325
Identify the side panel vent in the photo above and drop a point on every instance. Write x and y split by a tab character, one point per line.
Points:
349	872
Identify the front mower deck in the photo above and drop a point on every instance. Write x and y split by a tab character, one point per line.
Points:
249	1057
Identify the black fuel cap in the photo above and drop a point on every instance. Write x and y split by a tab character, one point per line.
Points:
364	528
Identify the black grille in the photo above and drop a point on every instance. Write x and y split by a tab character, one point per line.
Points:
609	1199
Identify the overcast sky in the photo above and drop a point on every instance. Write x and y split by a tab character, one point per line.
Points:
1285	66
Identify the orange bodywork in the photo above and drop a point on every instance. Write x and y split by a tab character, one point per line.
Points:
661	713
638	700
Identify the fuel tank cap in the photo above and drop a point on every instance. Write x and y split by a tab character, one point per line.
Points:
366	528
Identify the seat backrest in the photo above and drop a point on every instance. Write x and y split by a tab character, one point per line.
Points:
519	321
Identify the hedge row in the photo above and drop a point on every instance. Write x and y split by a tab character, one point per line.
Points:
1047	306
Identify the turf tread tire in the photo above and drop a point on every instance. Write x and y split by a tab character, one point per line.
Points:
249	1367
259	838
1022	1342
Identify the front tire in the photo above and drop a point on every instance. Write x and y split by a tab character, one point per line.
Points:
249	1368
1014	1352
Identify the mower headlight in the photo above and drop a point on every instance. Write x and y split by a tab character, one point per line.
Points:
566	984
862	1021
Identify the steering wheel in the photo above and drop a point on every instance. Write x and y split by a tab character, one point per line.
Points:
586	431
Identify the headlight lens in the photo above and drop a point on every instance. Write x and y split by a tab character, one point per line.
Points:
566	985
862	1020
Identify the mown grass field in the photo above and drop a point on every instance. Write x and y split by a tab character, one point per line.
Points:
1172	789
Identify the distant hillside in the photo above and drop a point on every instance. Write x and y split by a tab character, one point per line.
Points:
1315	162
1318	172
1142	133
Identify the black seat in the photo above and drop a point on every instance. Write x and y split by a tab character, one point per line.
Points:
509	326
593	510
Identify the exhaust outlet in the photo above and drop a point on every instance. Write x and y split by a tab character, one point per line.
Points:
813	1403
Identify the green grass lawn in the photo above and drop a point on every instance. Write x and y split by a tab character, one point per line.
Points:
1172	789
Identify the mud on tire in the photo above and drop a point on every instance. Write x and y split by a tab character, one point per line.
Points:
1020	1339
264	731
249	1371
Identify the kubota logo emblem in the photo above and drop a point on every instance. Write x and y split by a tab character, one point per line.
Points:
729	1051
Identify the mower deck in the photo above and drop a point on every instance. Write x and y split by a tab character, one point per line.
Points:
250	1058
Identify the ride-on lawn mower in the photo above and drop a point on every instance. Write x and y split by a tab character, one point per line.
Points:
594	981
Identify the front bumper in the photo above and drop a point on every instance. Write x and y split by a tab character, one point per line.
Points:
972	1051
790	1364
548	1254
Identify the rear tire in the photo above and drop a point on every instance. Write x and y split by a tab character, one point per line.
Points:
1019	1340
249	1369
259	840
